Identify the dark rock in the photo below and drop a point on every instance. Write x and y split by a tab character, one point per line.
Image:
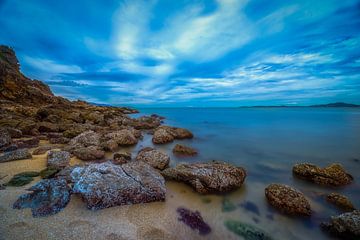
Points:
41	150
333	175
89	153
48	197
194	220
27	143
121	158
340	201
228	205
247	231
22	179
58	159
15	155
345	226
184	150
47	127
48	172
287	199
105	185
206	178
13	132
155	158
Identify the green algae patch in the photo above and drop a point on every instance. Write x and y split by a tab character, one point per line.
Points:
22	179
247	231
48	172
28	174
228	205
206	200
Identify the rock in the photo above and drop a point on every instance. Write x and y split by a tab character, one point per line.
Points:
110	145
105	184
5	138
47	127
182	133
287	199
340	201
73	132
194	220
13	132
15	155
214	177
345	226
184	150
333	175
58	159
162	136
27	143
155	158
247	231
22	179
228	205
48	197
41	150
48	172
60	140
86	139
121	158
146	122
89	153
122	137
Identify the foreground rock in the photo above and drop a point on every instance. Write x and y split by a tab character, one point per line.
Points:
184	150
340	201
166	134
154	158
105	185
48	197
58	159
287	200
15	155
345	226
333	175
215	177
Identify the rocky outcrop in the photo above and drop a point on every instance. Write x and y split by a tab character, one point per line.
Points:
154	158
340	201
287	199
184	150
345	226
333	175
58	159
15	155
47	197
165	134
105	185
214	177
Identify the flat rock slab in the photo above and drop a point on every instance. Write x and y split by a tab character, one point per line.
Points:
287	199
48	197
105	184
15	155
214	177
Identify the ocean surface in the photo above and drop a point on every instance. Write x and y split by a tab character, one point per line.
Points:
267	142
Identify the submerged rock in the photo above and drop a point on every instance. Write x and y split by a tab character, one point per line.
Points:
154	158
247	231
41	150
121	158
340	201
48	197
345	226
48	172
22	179
287	199
228	205
333	175
214	177
18	154
105	185
58	159
194	220
184	150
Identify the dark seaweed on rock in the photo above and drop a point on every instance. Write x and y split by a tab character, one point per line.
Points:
194	220
22	179
247	231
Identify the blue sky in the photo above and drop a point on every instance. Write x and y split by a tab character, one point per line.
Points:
189	53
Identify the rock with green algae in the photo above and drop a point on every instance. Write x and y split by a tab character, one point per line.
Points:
228	205
247	231
22	179
48	172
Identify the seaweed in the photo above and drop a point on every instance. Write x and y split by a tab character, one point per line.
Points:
22	179
228	205
48	172
247	231
194	220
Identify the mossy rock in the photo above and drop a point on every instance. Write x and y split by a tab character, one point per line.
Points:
28	174
18	181
48	172
228	205
247	231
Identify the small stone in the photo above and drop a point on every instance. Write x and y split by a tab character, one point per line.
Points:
5	138
58	159
184	150
162	136
340	201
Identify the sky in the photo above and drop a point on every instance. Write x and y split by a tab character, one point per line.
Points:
198	53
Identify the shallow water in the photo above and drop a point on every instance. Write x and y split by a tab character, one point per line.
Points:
267	142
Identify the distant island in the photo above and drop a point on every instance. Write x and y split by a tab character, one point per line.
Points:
328	105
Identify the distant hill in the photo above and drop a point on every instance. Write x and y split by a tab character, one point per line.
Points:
337	104
333	105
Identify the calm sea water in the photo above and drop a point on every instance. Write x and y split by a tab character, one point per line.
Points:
267	142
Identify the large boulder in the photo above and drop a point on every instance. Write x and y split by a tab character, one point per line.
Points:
58	159
105	184
333	175
155	158
48	197
345	226
214	177
15	155
287	199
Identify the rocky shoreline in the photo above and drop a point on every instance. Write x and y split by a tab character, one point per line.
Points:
30	113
